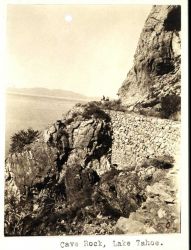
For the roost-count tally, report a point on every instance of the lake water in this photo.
(23, 111)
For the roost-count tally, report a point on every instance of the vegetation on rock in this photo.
(65, 183)
(68, 185)
(22, 138)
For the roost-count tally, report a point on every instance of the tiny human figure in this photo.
(103, 99)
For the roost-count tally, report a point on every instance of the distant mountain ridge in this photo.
(47, 92)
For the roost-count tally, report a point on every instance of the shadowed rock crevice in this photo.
(173, 21)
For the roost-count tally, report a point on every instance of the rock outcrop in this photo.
(153, 83)
(72, 179)
(160, 211)
(59, 165)
(101, 169)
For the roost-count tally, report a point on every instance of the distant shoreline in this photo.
(48, 96)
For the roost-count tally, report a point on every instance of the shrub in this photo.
(22, 138)
(170, 104)
(113, 105)
(162, 162)
(93, 109)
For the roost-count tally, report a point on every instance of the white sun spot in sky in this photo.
(68, 18)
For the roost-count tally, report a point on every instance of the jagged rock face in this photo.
(58, 168)
(160, 212)
(65, 183)
(154, 80)
(119, 193)
(71, 144)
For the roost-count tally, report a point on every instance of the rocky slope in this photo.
(153, 83)
(139, 137)
(54, 173)
(97, 171)
(65, 182)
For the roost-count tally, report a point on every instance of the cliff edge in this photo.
(95, 172)
(153, 83)
(102, 169)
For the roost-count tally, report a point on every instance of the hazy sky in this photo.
(84, 48)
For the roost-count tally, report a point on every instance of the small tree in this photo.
(22, 138)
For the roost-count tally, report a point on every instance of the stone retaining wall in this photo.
(137, 138)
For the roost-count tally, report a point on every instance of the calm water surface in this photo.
(23, 111)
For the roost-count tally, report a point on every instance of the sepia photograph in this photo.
(93, 117)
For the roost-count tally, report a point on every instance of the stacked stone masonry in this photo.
(137, 138)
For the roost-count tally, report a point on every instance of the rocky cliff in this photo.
(56, 173)
(84, 175)
(153, 83)
(101, 169)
